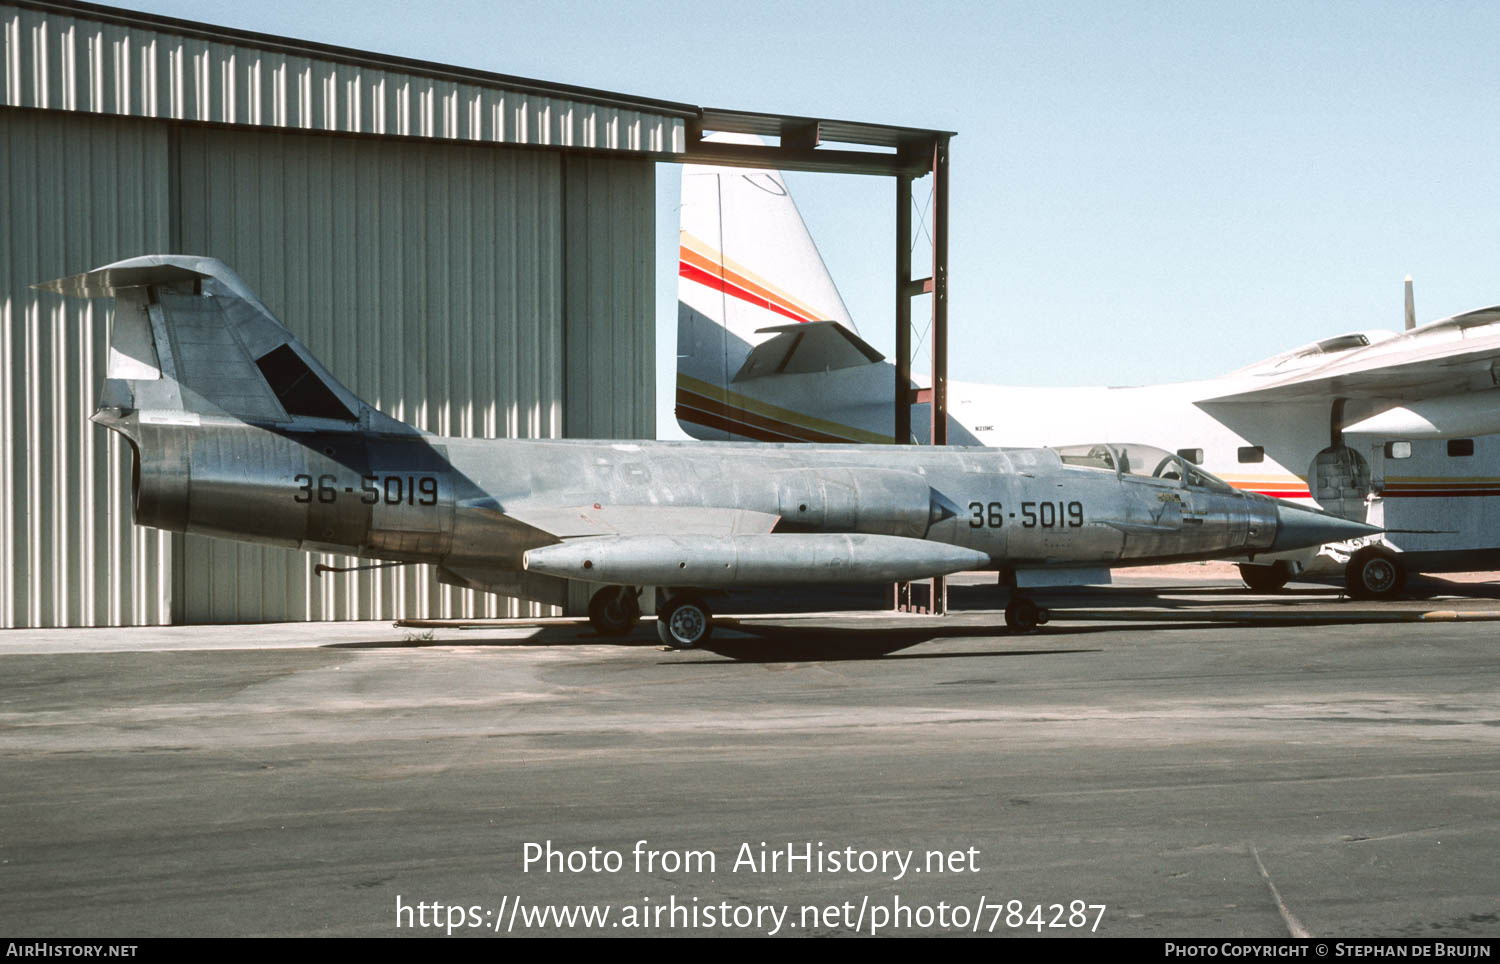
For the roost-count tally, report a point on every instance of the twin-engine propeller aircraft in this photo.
(1395, 429)
(238, 432)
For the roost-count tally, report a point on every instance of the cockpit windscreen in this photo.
(1141, 461)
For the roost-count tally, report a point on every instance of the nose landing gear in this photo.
(1266, 578)
(1022, 615)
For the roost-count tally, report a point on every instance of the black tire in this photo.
(1374, 573)
(614, 611)
(1266, 578)
(1022, 616)
(685, 622)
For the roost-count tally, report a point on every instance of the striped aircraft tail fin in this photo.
(749, 276)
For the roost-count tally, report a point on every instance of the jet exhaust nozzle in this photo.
(1302, 528)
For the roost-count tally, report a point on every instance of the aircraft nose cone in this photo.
(1299, 528)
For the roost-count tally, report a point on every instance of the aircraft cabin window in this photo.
(1252, 453)
(1194, 456)
(1460, 447)
(1343, 343)
(1398, 450)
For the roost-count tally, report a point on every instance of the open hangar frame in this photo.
(469, 251)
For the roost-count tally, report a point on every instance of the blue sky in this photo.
(1142, 191)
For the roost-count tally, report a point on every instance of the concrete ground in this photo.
(1196, 778)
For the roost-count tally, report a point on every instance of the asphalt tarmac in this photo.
(1195, 778)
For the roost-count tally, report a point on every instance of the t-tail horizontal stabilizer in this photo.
(812, 346)
(190, 339)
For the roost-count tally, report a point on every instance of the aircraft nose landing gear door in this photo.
(1340, 482)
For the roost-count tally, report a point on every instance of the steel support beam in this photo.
(940, 292)
(800, 159)
(908, 288)
(903, 311)
(899, 598)
(940, 324)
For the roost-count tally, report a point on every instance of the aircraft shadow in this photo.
(1296, 594)
(550, 636)
(786, 644)
(805, 652)
(759, 643)
(1425, 587)
(780, 642)
(776, 643)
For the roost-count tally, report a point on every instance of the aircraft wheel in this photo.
(614, 610)
(684, 622)
(1374, 574)
(1266, 578)
(1023, 616)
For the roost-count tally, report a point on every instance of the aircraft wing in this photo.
(576, 522)
(1449, 357)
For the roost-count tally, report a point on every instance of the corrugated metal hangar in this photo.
(473, 253)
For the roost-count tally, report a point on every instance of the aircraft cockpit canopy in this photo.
(1141, 461)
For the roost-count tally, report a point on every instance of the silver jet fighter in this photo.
(238, 432)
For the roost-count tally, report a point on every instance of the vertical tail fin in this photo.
(191, 338)
(746, 263)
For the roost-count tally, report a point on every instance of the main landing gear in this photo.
(1374, 573)
(615, 610)
(684, 621)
